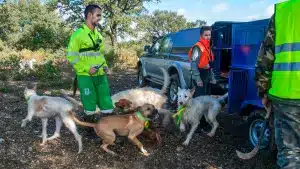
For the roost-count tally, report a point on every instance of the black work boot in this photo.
(90, 119)
(90, 132)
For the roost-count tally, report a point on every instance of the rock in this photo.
(1, 140)
(180, 148)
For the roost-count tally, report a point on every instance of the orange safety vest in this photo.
(206, 54)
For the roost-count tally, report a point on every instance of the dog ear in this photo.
(178, 88)
(117, 104)
(193, 90)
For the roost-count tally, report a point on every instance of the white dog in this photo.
(24, 64)
(195, 108)
(141, 96)
(46, 107)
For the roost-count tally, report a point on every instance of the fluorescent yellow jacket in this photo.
(286, 69)
(85, 50)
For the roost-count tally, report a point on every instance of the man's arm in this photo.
(265, 61)
(196, 53)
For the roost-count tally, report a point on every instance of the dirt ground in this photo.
(20, 147)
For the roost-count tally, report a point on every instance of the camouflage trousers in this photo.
(287, 135)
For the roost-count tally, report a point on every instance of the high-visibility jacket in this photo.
(85, 50)
(206, 53)
(286, 69)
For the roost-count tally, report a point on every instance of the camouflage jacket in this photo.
(265, 61)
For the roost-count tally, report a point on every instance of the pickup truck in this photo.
(171, 53)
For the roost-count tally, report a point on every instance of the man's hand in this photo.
(264, 101)
(105, 69)
(200, 83)
(92, 70)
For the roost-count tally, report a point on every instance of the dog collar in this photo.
(141, 117)
(179, 114)
(28, 98)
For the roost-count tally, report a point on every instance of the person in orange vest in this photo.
(202, 58)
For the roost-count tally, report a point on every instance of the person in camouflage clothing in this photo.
(277, 75)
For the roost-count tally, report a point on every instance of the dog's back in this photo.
(141, 96)
(47, 106)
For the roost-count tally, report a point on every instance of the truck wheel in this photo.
(173, 89)
(255, 123)
(142, 81)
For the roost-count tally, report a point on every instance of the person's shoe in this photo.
(106, 111)
(90, 119)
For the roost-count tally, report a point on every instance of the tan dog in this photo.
(130, 125)
(124, 106)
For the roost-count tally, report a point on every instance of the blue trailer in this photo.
(242, 42)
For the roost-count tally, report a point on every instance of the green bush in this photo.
(47, 72)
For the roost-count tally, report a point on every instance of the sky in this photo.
(218, 10)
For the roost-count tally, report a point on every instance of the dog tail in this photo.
(72, 114)
(247, 156)
(223, 99)
(166, 80)
(72, 100)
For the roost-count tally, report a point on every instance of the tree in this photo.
(30, 24)
(118, 16)
(162, 22)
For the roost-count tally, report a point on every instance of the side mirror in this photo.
(146, 48)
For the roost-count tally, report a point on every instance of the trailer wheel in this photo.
(255, 123)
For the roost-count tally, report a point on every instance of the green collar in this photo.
(88, 30)
(141, 117)
(28, 98)
(146, 120)
(179, 115)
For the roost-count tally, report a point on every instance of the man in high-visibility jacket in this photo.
(278, 77)
(86, 53)
(201, 58)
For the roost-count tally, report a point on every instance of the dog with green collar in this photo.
(130, 125)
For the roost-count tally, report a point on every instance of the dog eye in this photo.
(185, 96)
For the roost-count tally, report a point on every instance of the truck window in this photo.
(166, 45)
(156, 46)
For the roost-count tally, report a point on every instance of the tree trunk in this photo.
(113, 39)
(113, 36)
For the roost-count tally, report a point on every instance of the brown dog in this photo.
(130, 125)
(123, 106)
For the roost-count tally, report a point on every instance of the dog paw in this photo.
(112, 153)
(185, 143)
(210, 134)
(23, 123)
(144, 152)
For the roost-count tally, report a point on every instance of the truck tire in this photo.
(173, 88)
(142, 81)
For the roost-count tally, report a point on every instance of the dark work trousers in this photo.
(205, 89)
